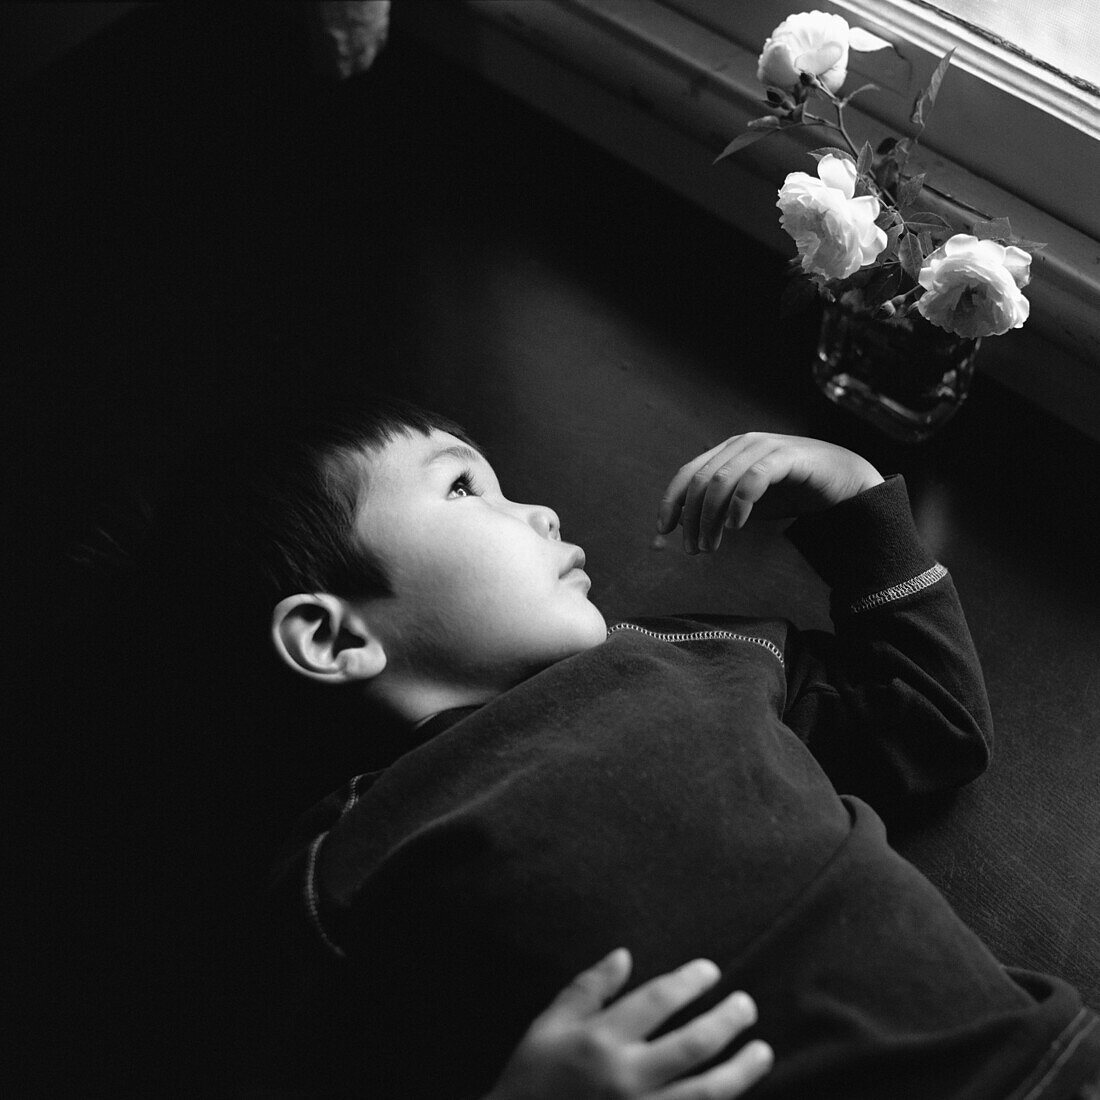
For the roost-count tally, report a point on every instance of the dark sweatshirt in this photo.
(675, 791)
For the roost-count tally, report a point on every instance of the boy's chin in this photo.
(585, 632)
(593, 629)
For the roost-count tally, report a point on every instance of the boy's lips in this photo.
(575, 562)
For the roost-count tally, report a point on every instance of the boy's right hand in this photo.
(777, 476)
(580, 1050)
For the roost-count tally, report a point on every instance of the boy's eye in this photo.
(463, 486)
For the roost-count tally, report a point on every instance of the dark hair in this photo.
(209, 743)
(298, 509)
(274, 512)
(181, 589)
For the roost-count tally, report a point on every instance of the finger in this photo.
(695, 493)
(712, 487)
(641, 1011)
(728, 1080)
(768, 470)
(685, 1048)
(715, 504)
(723, 485)
(668, 512)
(590, 990)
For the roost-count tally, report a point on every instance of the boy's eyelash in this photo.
(465, 481)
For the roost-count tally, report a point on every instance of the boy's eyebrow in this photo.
(455, 450)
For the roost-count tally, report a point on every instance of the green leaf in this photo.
(926, 99)
(916, 116)
(862, 88)
(830, 151)
(937, 77)
(886, 174)
(995, 229)
(885, 285)
(999, 229)
(893, 236)
(900, 153)
(889, 162)
(768, 122)
(926, 219)
(936, 233)
(910, 189)
(741, 141)
(866, 155)
(910, 255)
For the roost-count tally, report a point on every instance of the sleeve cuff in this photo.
(867, 548)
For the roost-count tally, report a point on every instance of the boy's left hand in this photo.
(771, 476)
(582, 1048)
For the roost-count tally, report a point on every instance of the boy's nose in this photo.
(545, 521)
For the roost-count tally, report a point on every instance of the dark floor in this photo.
(197, 227)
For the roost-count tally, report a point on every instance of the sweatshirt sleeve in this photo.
(894, 704)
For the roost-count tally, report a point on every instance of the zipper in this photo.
(702, 636)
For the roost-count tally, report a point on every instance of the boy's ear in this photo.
(326, 639)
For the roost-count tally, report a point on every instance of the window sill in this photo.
(667, 94)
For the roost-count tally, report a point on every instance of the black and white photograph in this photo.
(552, 549)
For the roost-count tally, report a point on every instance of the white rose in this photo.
(972, 287)
(835, 233)
(811, 42)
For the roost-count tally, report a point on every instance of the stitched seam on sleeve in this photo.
(310, 894)
(353, 795)
(1078, 1028)
(899, 591)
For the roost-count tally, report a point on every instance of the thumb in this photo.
(590, 990)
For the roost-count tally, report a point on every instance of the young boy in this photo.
(668, 785)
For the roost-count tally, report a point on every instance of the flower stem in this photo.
(881, 193)
(843, 131)
(815, 120)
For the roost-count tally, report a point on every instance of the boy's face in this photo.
(485, 593)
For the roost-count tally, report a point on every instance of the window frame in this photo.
(997, 109)
(666, 93)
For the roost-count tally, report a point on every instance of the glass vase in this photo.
(904, 375)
